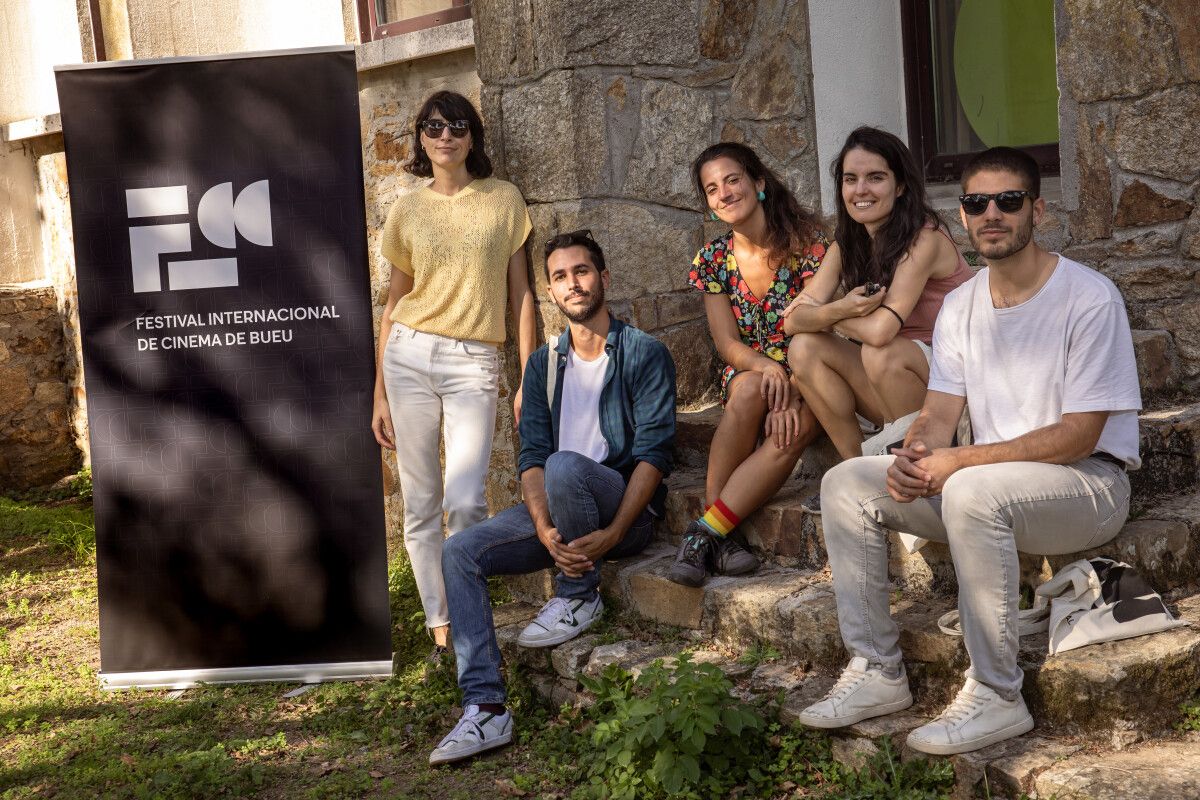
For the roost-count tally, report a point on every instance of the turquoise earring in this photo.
(762, 196)
(712, 215)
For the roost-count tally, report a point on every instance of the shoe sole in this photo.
(936, 749)
(482, 747)
(557, 640)
(740, 571)
(686, 579)
(828, 723)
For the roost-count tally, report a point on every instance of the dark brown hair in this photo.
(452, 106)
(863, 259)
(1007, 159)
(791, 227)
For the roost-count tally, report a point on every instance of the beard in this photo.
(1022, 232)
(588, 310)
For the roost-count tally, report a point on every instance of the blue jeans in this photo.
(583, 497)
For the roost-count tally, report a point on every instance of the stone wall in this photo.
(34, 411)
(603, 106)
(1129, 75)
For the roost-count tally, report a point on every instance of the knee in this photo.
(854, 479)
(966, 496)
(745, 396)
(804, 354)
(458, 553)
(563, 469)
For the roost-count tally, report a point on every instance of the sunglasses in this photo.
(1009, 202)
(433, 128)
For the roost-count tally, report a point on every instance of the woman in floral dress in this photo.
(749, 276)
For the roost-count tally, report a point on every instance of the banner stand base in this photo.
(302, 673)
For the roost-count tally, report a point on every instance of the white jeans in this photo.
(426, 374)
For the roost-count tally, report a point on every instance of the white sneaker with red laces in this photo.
(978, 717)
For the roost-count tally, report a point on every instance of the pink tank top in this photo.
(919, 324)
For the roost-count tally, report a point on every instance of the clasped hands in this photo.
(918, 472)
(577, 557)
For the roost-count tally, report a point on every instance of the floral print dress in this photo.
(759, 320)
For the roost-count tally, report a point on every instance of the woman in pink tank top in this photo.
(864, 323)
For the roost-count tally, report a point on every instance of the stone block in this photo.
(777, 676)
(1149, 280)
(1131, 243)
(1170, 449)
(1103, 56)
(676, 307)
(533, 587)
(1167, 771)
(1182, 319)
(624, 654)
(854, 753)
(1093, 218)
(1158, 368)
(571, 657)
(1142, 680)
(1015, 770)
(617, 32)
(504, 47)
(675, 123)
(1155, 135)
(1161, 550)
(1142, 205)
(746, 610)
(809, 622)
(696, 363)
(1186, 23)
(654, 597)
(725, 26)
(775, 83)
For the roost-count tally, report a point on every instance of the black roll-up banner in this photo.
(225, 313)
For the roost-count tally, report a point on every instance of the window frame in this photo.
(917, 53)
(369, 29)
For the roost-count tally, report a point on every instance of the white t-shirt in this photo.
(1067, 349)
(579, 416)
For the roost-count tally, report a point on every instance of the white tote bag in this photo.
(1086, 602)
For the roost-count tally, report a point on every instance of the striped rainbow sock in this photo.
(719, 519)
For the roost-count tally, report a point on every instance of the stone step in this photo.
(1158, 771)
(1162, 539)
(1140, 681)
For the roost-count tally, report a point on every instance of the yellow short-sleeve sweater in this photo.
(456, 249)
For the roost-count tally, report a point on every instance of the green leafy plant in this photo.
(886, 777)
(759, 653)
(678, 732)
(1191, 716)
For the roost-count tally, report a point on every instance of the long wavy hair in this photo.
(452, 106)
(791, 227)
(866, 260)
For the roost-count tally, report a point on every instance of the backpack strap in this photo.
(551, 371)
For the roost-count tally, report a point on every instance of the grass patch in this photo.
(61, 737)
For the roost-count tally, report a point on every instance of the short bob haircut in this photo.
(1007, 159)
(581, 238)
(452, 106)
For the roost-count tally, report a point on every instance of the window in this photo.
(978, 74)
(378, 19)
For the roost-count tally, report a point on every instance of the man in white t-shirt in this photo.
(597, 434)
(1040, 348)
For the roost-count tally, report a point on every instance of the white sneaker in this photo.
(475, 732)
(859, 694)
(978, 717)
(560, 620)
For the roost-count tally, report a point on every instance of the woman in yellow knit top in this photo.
(457, 252)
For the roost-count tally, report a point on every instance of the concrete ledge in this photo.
(418, 44)
(23, 129)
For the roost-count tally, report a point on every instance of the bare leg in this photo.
(759, 477)
(736, 436)
(829, 371)
(899, 374)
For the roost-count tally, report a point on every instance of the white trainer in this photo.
(476, 732)
(560, 620)
(978, 717)
(862, 692)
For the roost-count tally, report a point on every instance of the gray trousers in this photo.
(986, 514)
